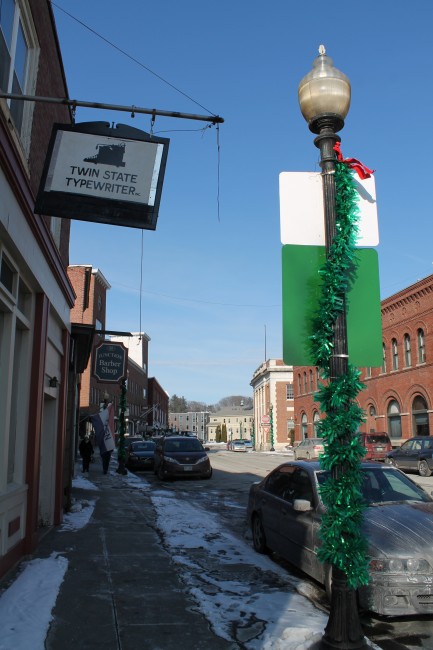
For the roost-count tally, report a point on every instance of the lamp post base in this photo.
(343, 630)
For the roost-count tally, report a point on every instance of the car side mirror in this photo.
(301, 505)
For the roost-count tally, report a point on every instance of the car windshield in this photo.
(374, 438)
(382, 485)
(189, 444)
(143, 446)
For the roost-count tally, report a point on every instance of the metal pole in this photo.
(121, 452)
(214, 119)
(343, 629)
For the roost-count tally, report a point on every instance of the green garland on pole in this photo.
(343, 544)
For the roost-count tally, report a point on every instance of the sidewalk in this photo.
(121, 590)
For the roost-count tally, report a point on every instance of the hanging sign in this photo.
(110, 361)
(94, 172)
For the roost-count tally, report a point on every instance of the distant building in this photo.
(232, 423)
(398, 395)
(193, 422)
(273, 397)
(158, 419)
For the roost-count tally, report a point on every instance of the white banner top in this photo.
(302, 211)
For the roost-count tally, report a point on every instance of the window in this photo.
(16, 309)
(289, 391)
(368, 371)
(304, 426)
(299, 384)
(420, 417)
(394, 419)
(305, 382)
(7, 275)
(18, 48)
(311, 381)
(407, 351)
(316, 420)
(421, 346)
(383, 358)
(394, 349)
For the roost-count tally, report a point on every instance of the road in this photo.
(227, 495)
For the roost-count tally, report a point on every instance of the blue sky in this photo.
(211, 280)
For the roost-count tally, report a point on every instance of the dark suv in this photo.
(177, 456)
(415, 454)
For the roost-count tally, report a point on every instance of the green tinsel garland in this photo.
(343, 544)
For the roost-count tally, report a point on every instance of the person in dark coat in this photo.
(86, 451)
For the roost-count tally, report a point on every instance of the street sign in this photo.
(301, 295)
(301, 210)
(265, 419)
(110, 362)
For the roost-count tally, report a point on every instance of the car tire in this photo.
(259, 538)
(423, 468)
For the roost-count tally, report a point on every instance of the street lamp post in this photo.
(271, 427)
(324, 99)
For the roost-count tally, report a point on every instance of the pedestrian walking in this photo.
(86, 451)
(103, 424)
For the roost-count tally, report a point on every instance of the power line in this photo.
(129, 56)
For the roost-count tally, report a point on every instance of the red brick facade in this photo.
(398, 396)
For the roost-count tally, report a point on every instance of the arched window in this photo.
(304, 426)
(394, 419)
(305, 383)
(421, 346)
(299, 384)
(316, 420)
(420, 417)
(407, 351)
(383, 358)
(394, 350)
(311, 381)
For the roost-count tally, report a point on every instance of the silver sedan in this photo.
(284, 511)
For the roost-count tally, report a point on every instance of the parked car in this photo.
(309, 448)
(237, 445)
(377, 445)
(140, 455)
(248, 444)
(177, 456)
(284, 511)
(416, 454)
(130, 439)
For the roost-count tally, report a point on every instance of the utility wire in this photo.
(129, 56)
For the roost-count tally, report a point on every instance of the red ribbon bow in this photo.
(362, 171)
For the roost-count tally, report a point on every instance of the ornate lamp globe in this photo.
(324, 95)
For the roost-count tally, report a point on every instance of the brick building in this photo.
(157, 419)
(91, 288)
(398, 395)
(272, 385)
(35, 293)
